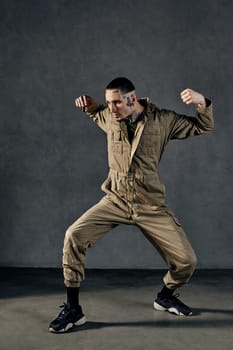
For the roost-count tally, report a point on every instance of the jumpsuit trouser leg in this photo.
(163, 230)
(83, 234)
(158, 225)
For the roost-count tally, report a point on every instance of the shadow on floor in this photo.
(184, 323)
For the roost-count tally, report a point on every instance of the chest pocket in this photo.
(116, 141)
(149, 142)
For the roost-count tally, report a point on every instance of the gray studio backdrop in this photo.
(53, 158)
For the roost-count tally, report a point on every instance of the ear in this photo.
(133, 97)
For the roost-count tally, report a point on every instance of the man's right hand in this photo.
(86, 103)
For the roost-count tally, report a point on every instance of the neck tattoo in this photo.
(134, 117)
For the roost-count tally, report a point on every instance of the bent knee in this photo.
(189, 263)
(72, 235)
(69, 233)
(77, 237)
(194, 261)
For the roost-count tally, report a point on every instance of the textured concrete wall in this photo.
(53, 158)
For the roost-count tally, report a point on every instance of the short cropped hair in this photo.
(121, 83)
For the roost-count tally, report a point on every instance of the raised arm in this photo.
(181, 126)
(92, 108)
(86, 103)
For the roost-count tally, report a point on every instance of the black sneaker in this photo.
(173, 305)
(66, 319)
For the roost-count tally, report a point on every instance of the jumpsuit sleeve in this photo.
(100, 117)
(181, 126)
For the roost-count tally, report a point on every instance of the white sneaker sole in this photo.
(70, 325)
(172, 310)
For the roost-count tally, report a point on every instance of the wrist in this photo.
(92, 108)
(202, 103)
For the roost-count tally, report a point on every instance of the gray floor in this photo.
(118, 306)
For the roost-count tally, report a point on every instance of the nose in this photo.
(112, 108)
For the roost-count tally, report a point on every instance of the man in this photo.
(137, 133)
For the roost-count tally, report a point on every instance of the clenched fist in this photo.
(86, 103)
(190, 96)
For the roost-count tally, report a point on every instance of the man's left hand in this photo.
(190, 96)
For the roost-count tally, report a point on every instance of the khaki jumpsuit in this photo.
(134, 193)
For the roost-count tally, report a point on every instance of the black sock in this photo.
(72, 296)
(166, 292)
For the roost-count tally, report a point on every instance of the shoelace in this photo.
(174, 297)
(64, 305)
(65, 308)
